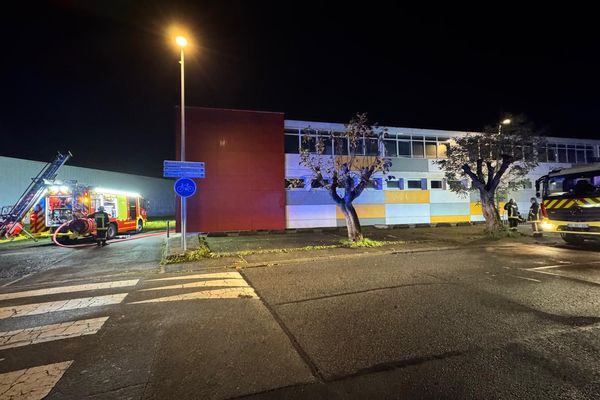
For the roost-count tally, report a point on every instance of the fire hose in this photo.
(93, 244)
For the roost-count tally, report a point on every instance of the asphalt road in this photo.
(500, 321)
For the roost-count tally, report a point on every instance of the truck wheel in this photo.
(571, 238)
(140, 226)
(112, 231)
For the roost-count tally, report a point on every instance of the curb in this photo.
(263, 232)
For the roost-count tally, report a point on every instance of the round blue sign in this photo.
(185, 187)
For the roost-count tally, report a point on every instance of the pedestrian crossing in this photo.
(20, 313)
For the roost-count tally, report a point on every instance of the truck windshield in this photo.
(574, 185)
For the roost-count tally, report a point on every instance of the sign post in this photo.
(184, 186)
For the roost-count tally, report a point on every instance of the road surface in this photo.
(504, 320)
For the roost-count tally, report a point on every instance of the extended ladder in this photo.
(31, 196)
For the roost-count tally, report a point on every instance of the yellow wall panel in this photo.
(406, 196)
(450, 218)
(476, 208)
(365, 211)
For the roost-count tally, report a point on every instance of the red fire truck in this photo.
(65, 202)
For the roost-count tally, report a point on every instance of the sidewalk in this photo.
(265, 247)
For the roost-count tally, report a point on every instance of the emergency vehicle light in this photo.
(115, 191)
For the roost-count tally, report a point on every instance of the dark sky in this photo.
(98, 77)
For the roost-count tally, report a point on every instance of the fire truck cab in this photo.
(571, 202)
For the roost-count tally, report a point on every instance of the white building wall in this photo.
(16, 175)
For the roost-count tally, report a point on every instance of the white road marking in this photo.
(527, 279)
(17, 280)
(211, 283)
(62, 305)
(217, 294)
(564, 265)
(31, 383)
(48, 333)
(69, 289)
(222, 275)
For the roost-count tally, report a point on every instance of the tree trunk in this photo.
(490, 212)
(352, 221)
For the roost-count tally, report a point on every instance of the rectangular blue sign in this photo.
(183, 169)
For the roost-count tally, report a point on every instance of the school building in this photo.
(254, 180)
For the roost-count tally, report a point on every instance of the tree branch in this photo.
(333, 189)
(478, 184)
(365, 175)
(490, 171)
(480, 171)
(506, 161)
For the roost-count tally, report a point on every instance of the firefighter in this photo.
(102, 220)
(513, 214)
(534, 214)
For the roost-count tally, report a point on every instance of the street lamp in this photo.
(504, 122)
(182, 42)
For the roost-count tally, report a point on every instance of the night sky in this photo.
(100, 79)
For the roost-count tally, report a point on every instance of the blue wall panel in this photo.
(450, 209)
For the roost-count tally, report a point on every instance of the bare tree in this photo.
(359, 153)
(497, 159)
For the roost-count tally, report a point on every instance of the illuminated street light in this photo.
(504, 122)
(181, 41)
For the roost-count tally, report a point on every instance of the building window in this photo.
(571, 154)
(437, 184)
(403, 148)
(316, 183)
(430, 150)
(292, 144)
(542, 154)
(589, 153)
(393, 184)
(340, 144)
(414, 184)
(442, 147)
(390, 148)
(371, 146)
(552, 157)
(294, 183)
(580, 153)
(562, 153)
(417, 150)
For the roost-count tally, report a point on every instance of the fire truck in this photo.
(571, 202)
(53, 204)
(69, 203)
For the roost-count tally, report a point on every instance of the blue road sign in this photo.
(185, 187)
(183, 169)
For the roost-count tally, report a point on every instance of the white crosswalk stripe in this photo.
(31, 383)
(62, 305)
(210, 275)
(210, 283)
(68, 289)
(228, 285)
(48, 333)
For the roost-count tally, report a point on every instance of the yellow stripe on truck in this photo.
(561, 203)
(551, 203)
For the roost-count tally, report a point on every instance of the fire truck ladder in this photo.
(31, 196)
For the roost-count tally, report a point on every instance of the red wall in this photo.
(245, 170)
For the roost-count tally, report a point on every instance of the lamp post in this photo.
(182, 42)
(504, 122)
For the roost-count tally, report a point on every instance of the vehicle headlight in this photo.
(547, 226)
